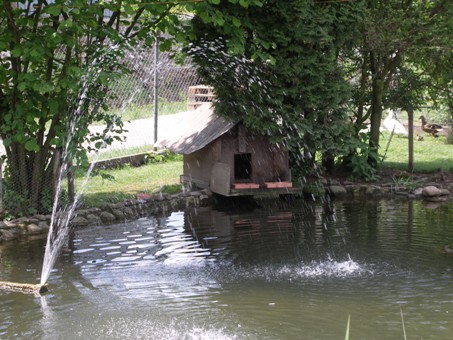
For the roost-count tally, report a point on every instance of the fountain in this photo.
(61, 218)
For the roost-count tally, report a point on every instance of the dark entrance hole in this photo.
(243, 166)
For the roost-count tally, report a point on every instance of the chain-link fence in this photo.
(146, 98)
(149, 100)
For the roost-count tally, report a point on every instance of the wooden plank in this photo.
(241, 186)
(242, 144)
(272, 185)
(220, 179)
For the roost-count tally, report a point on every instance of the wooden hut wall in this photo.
(268, 162)
(197, 165)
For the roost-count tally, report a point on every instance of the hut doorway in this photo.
(243, 166)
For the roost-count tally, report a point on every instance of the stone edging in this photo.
(163, 203)
(432, 192)
(108, 214)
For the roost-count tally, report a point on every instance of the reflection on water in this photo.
(278, 271)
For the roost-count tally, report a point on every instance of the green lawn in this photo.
(133, 112)
(121, 152)
(128, 181)
(430, 154)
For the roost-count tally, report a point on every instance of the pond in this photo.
(278, 270)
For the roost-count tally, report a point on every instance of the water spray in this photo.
(60, 220)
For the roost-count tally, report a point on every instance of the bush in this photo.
(162, 157)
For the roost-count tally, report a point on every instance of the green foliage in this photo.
(57, 62)
(360, 166)
(408, 182)
(47, 199)
(283, 78)
(16, 204)
(313, 190)
(162, 157)
(171, 189)
(401, 59)
(103, 175)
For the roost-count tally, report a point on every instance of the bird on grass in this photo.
(393, 125)
(431, 128)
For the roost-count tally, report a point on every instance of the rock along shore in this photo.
(129, 210)
(158, 204)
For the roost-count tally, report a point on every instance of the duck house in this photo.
(225, 157)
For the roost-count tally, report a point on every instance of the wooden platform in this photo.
(199, 95)
(265, 191)
(274, 185)
(242, 186)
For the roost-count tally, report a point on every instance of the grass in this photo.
(133, 112)
(129, 181)
(430, 154)
(121, 152)
(147, 111)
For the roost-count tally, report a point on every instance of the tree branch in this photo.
(37, 16)
(134, 21)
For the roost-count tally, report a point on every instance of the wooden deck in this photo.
(245, 189)
(265, 192)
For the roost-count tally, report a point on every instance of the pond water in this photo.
(275, 271)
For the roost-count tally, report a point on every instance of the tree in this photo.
(57, 60)
(402, 55)
(285, 79)
(433, 53)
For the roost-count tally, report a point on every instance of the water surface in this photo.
(275, 271)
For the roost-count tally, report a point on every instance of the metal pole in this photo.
(156, 88)
(1, 189)
(410, 115)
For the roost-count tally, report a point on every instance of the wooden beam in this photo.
(23, 287)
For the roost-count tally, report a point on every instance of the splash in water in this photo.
(326, 269)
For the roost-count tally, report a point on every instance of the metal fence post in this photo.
(1, 190)
(156, 88)
(410, 115)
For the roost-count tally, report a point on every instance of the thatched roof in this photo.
(195, 130)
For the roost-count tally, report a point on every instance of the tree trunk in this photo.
(71, 188)
(377, 96)
(36, 185)
(28, 178)
(328, 162)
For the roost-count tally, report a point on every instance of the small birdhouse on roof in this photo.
(224, 156)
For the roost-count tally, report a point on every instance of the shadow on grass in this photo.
(435, 165)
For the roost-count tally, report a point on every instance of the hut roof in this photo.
(195, 130)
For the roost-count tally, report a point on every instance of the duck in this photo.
(419, 138)
(431, 128)
(393, 125)
(448, 249)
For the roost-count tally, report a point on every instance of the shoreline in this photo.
(435, 189)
